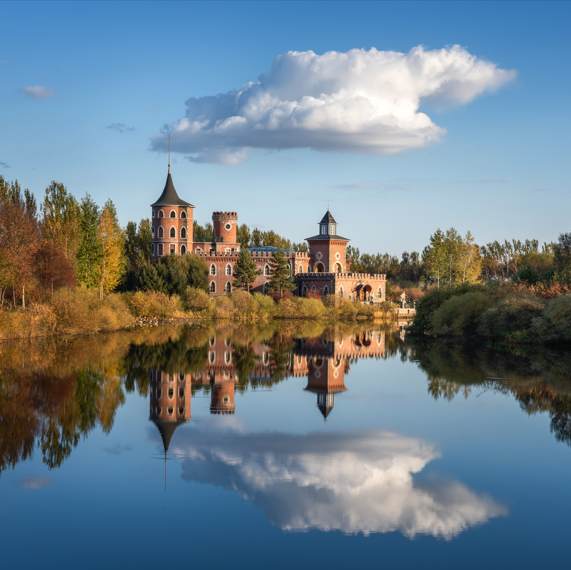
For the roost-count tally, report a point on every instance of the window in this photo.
(153, 213)
(153, 232)
(181, 393)
(332, 229)
(170, 411)
(183, 215)
(323, 230)
(211, 357)
(213, 269)
(183, 233)
(181, 376)
(173, 214)
(380, 292)
(172, 248)
(266, 358)
(227, 227)
(153, 248)
(171, 392)
(212, 287)
(267, 270)
(182, 249)
(173, 233)
(341, 291)
(181, 411)
(161, 232)
(325, 291)
(300, 269)
(228, 269)
(161, 249)
(228, 287)
(161, 215)
(313, 288)
(304, 291)
(227, 357)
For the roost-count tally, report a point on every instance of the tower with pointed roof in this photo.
(326, 378)
(327, 249)
(172, 223)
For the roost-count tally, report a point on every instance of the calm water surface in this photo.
(282, 448)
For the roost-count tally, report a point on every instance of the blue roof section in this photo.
(268, 249)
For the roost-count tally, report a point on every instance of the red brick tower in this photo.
(169, 402)
(222, 396)
(172, 223)
(326, 378)
(327, 249)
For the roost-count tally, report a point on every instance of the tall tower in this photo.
(172, 223)
(328, 250)
(326, 378)
(222, 395)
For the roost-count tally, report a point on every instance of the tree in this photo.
(562, 258)
(60, 221)
(90, 252)
(52, 269)
(280, 273)
(149, 279)
(111, 237)
(470, 262)
(245, 270)
(434, 257)
(452, 249)
(243, 236)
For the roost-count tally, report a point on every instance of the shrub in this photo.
(37, 320)
(339, 307)
(513, 314)
(196, 300)
(555, 324)
(460, 315)
(153, 304)
(302, 308)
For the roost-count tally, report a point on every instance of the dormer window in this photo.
(323, 230)
(332, 229)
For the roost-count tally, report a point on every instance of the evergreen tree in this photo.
(149, 279)
(197, 273)
(90, 252)
(280, 273)
(173, 277)
(245, 271)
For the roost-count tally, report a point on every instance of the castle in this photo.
(325, 270)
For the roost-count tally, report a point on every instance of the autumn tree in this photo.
(60, 221)
(245, 271)
(469, 261)
(434, 257)
(111, 237)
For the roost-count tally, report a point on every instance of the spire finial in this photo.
(169, 153)
(165, 469)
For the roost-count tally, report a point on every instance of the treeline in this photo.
(250, 238)
(450, 259)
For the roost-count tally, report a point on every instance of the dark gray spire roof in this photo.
(328, 219)
(166, 429)
(169, 197)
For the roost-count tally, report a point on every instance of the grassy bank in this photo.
(80, 311)
(507, 313)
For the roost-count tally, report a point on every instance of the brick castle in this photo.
(325, 270)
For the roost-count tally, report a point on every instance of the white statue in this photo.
(403, 299)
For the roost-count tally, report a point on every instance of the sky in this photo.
(400, 117)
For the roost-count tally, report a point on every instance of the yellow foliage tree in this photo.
(470, 261)
(111, 237)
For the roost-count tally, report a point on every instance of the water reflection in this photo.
(355, 482)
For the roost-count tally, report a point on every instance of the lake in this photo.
(281, 446)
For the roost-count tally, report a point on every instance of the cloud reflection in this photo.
(353, 482)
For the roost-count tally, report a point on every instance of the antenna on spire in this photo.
(169, 153)
(166, 466)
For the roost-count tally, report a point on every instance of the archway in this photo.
(319, 268)
(337, 268)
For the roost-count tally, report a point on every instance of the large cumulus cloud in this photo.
(359, 102)
(355, 482)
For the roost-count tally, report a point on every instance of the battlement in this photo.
(289, 255)
(323, 275)
(224, 215)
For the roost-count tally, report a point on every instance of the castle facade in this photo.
(325, 270)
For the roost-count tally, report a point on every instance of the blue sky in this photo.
(499, 170)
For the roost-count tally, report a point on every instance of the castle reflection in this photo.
(324, 362)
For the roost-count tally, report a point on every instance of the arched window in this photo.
(213, 269)
(173, 233)
(319, 268)
(325, 291)
(228, 287)
(183, 233)
(183, 215)
(173, 214)
(304, 291)
(228, 269)
(161, 215)
(153, 249)
(154, 214)
(313, 288)
(380, 292)
(212, 287)
(182, 249)
(172, 248)
(341, 291)
(161, 251)
(337, 268)
(300, 269)
(267, 270)
(153, 231)
(227, 357)
(212, 356)
(170, 411)
(161, 232)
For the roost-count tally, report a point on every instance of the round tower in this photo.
(222, 397)
(225, 224)
(172, 223)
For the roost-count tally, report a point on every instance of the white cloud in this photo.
(37, 92)
(34, 482)
(359, 482)
(359, 102)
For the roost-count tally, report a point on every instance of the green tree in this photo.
(90, 252)
(280, 273)
(435, 258)
(562, 258)
(245, 270)
(148, 279)
(243, 236)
